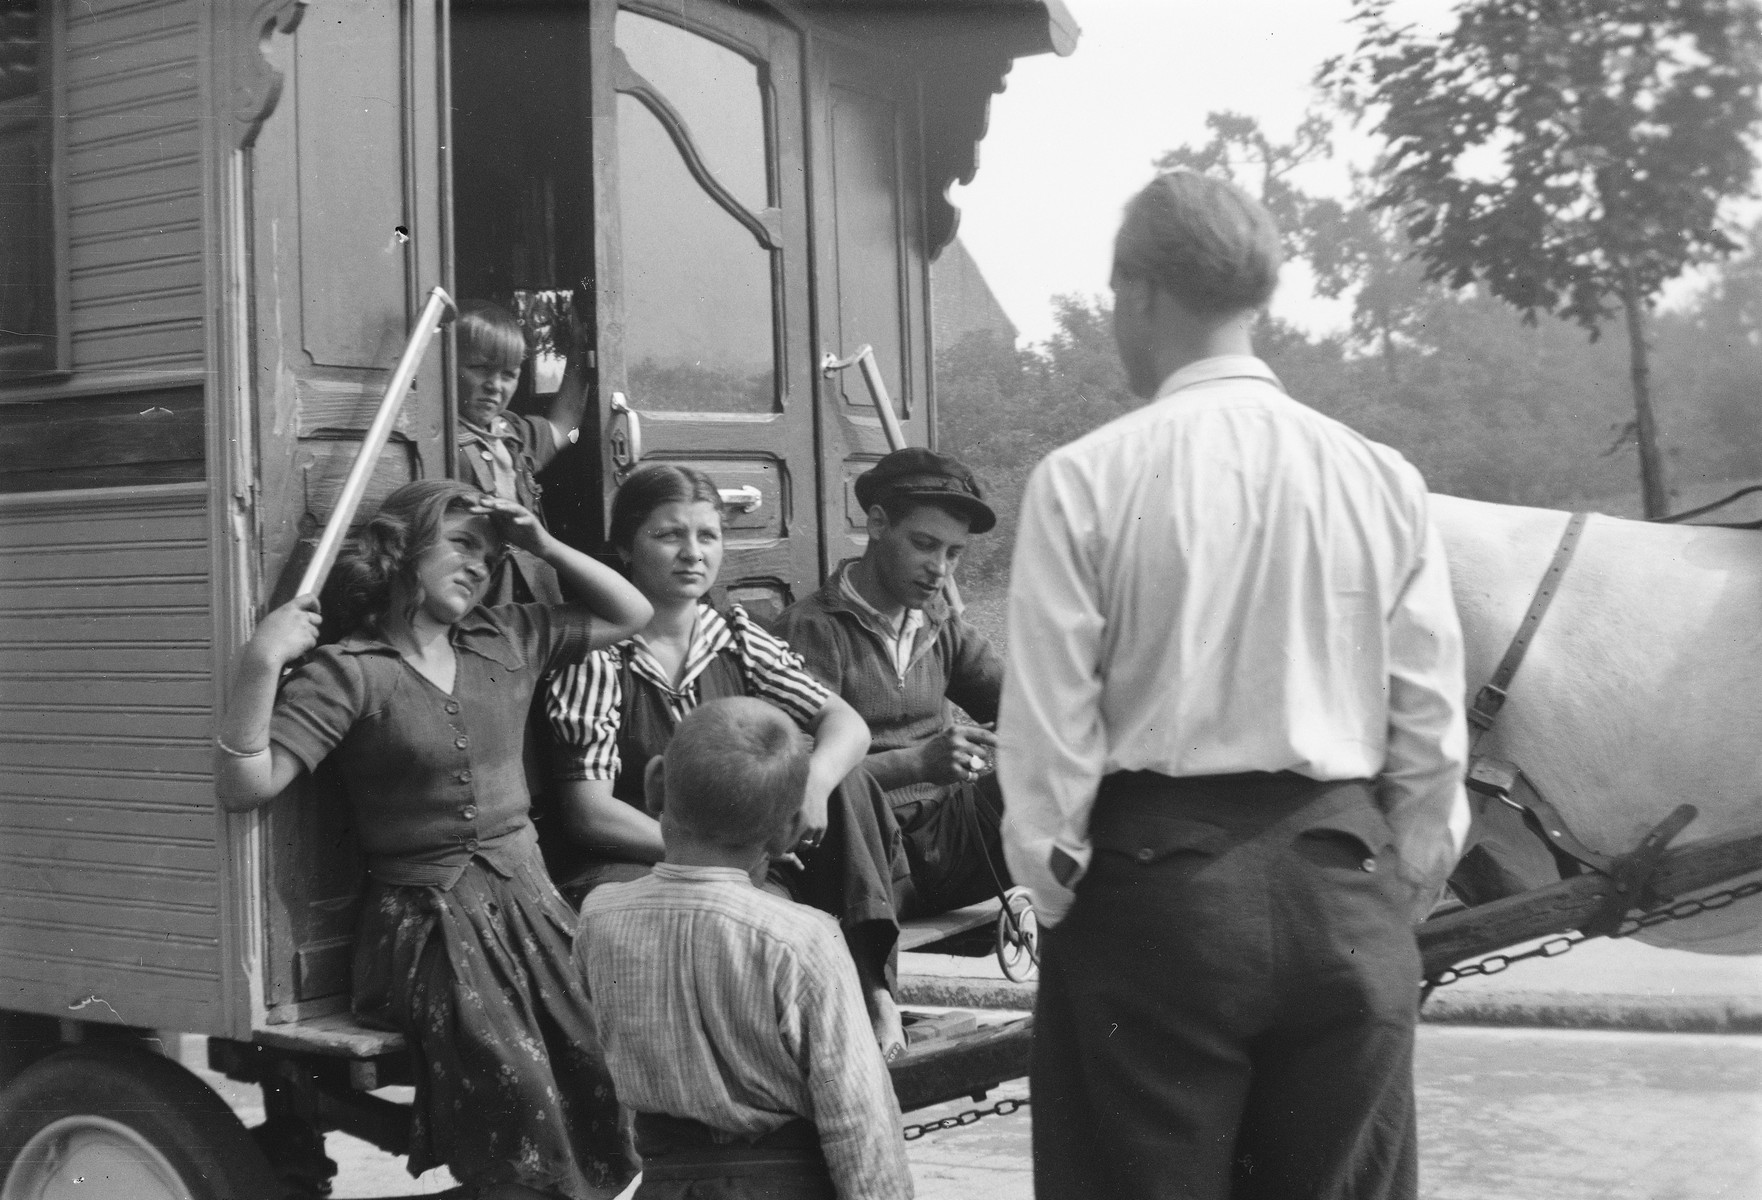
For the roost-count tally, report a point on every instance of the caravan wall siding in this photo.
(109, 900)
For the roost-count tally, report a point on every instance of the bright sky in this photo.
(1072, 138)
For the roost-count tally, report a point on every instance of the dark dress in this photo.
(464, 944)
(851, 874)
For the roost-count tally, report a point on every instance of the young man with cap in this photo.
(882, 634)
(1233, 744)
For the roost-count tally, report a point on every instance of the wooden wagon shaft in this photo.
(1445, 941)
(933, 1072)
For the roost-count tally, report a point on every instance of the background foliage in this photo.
(1483, 404)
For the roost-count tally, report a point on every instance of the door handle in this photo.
(746, 498)
(864, 360)
(623, 436)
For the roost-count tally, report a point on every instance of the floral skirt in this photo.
(511, 1086)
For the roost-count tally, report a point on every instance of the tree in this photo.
(1572, 155)
(1353, 245)
(1350, 246)
(1241, 152)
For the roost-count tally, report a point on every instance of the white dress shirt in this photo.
(1225, 581)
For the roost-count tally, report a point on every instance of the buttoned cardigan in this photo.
(433, 778)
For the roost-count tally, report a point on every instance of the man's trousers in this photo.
(954, 844)
(1228, 1008)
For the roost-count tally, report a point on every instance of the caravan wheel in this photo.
(117, 1122)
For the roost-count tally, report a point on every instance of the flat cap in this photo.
(917, 472)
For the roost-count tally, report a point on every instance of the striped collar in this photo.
(710, 635)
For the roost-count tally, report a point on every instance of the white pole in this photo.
(883, 402)
(355, 487)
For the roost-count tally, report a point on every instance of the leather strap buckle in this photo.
(1485, 710)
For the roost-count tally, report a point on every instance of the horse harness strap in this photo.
(1490, 699)
(1505, 782)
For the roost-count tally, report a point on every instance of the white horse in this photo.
(1642, 689)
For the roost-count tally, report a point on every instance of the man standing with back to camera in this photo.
(1232, 744)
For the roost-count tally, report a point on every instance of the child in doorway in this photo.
(732, 1019)
(463, 943)
(503, 452)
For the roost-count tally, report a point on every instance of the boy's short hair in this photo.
(1204, 241)
(736, 769)
(488, 333)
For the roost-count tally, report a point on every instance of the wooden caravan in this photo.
(219, 222)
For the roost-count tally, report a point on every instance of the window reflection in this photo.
(698, 326)
(716, 91)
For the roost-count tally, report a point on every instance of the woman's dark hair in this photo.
(358, 595)
(486, 332)
(1201, 239)
(650, 487)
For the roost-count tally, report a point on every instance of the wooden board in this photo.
(913, 934)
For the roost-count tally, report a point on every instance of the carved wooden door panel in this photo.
(873, 282)
(345, 222)
(702, 273)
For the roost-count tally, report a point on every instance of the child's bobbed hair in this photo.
(650, 487)
(488, 333)
(384, 552)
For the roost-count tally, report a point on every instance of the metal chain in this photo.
(1556, 946)
(1002, 1108)
(1683, 909)
(1495, 963)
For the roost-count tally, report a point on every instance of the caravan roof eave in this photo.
(963, 50)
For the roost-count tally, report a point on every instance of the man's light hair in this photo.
(736, 769)
(1202, 240)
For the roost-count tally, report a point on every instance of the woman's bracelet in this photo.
(226, 749)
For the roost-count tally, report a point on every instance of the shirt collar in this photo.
(710, 635)
(499, 430)
(841, 592)
(477, 631)
(685, 874)
(911, 619)
(1221, 366)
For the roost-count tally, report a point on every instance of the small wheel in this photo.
(1018, 937)
(116, 1122)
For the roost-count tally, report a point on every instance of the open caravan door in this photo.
(341, 187)
(647, 163)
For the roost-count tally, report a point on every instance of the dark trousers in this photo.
(1228, 1008)
(954, 845)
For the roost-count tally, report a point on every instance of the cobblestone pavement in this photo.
(1505, 1114)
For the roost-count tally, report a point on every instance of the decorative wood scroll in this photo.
(256, 85)
(766, 224)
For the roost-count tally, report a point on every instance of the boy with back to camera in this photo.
(732, 1019)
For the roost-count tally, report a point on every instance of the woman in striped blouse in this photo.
(613, 711)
